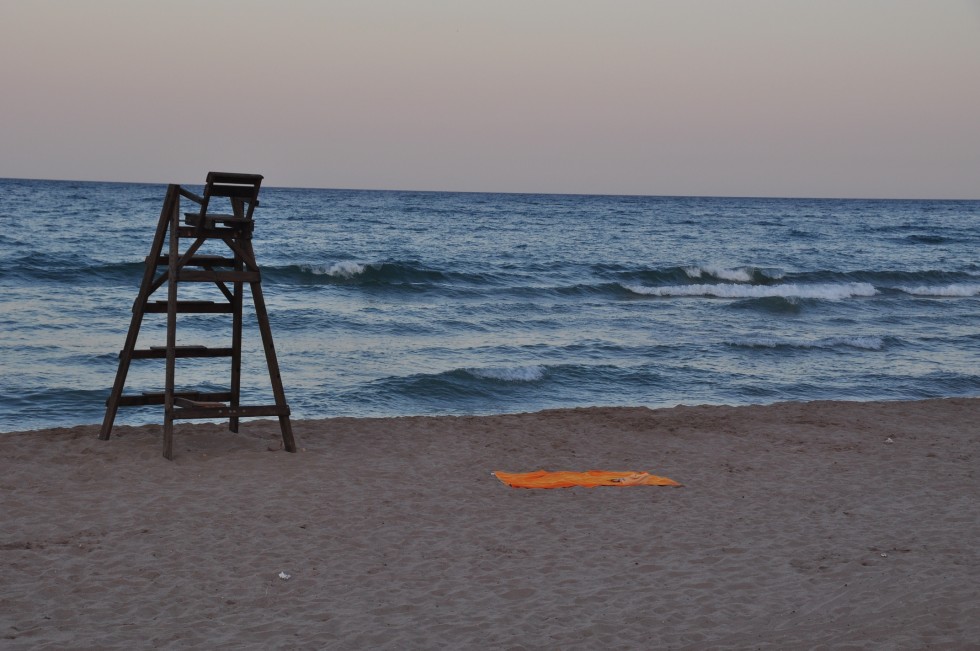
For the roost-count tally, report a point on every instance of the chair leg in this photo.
(168, 436)
(168, 396)
(270, 357)
(139, 309)
(236, 349)
(274, 375)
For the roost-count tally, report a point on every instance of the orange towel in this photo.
(590, 478)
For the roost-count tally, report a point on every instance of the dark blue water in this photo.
(395, 303)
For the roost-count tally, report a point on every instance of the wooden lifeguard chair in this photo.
(236, 269)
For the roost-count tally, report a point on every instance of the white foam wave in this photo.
(742, 275)
(531, 373)
(958, 289)
(342, 269)
(866, 343)
(792, 290)
(736, 275)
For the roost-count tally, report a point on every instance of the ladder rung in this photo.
(228, 412)
(187, 402)
(191, 307)
(204, 276)
(160, 352)
(198, 261)
(157, 397)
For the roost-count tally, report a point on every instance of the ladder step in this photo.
(190, 307)
(160, 352)
(205, 276)
(187, 402)
(157, 397)
(197, 261)
(223, 411)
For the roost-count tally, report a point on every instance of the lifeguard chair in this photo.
(229, 273)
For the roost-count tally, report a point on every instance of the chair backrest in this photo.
(241, 189)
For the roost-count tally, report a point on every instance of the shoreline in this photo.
(802, 523)
(546, 410)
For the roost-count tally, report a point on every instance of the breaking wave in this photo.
(532, 373)
(791, 290)
(737, 274)
(345, 269)
(348, 272)
(955, 290)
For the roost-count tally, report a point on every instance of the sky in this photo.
(797, 98)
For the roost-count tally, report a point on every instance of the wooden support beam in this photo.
(182, 352)
(158, 397)
(184, 192)
(211, 276)
(195, 261)
(190, 307)
(215, 233)
(227, 412)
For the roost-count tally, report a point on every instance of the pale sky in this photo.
(801, 98)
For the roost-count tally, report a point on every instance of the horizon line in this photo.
(527, 193)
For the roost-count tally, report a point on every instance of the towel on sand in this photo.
(589, 478)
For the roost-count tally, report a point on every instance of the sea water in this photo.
(402, 303)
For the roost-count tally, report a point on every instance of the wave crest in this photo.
(737, 274)
(531, 373)
(344, 269)
(954, 290)
(818, 291)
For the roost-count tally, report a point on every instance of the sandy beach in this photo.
(799, 525)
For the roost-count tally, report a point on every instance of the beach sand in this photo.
(799, 525)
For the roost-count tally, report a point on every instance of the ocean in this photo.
(389, 303)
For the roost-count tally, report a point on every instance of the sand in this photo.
(800, 525)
